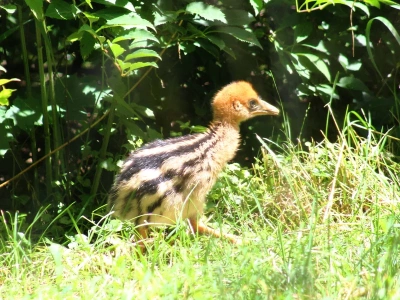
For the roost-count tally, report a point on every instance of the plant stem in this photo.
(58, 157)
(29, 96)
(104, 146)
(46, 129)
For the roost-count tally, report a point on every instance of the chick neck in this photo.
(228, 121)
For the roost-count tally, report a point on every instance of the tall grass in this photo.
(318, 220)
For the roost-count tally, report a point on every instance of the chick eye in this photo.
(253, 104)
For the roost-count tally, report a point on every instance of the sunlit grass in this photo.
(317, 220)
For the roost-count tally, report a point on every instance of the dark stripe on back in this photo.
(150, 187)
(155, 205)
(155, 161)
(176, 189)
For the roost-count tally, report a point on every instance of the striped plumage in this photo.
(167, 180)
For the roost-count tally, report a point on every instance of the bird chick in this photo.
(167, 180)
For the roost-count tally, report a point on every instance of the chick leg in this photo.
(199, 227)
(142, 233)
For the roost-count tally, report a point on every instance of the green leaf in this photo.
(9, 8)
(129, 20)
(127, 66)
(36, 7)
(116, 4)
(138, 65)
(368, 31)
(237, 17)
(373, 3)
(216, 40)
(302, 31)
(187, 47)
(109, 165)
(25, 113)
(144, 111)
(359, 5)
(86, 44)
(328, 90)
(320, 47)
(61, 10)
(318, 63)
(257, 5)
(208, 12)
(241, 35)
(79, 34)
(302, 70)
(4, 81)
(4, 101)
(142, 53)
(116, 49)
(206, 45)
(5, 134)
(355, 66)
(4, 95)
(353, 83)
(137, 35)
(110, 13)
(162, 16)
(92, 18)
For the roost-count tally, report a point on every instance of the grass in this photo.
(317, 223)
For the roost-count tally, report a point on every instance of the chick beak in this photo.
(266, 109)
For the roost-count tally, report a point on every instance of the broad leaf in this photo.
(92, 18)
(142, 53)
(4, 81)
(138, 65)
(128, 66)
(78, 34)
(162, 16)
(257, 5)
(318, 63)
(87, 44)
(236, 17)
(206, 45)
(355, 66)
(25, 113)
(9, 8)
(137, 35)
(115, 3)
(116, 49)
(4, 95)
(36, 7)
(373, 3)
(129, 20)
(62, 10)
(208, 12)
(241, 35)
(216, 40)
(302, 31)
(353, 83)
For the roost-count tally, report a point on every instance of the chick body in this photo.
(167, 180)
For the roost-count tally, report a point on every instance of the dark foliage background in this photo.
(75, 78)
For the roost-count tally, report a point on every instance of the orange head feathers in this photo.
(238, 102)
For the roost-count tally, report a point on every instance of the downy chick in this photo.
(167, 180)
